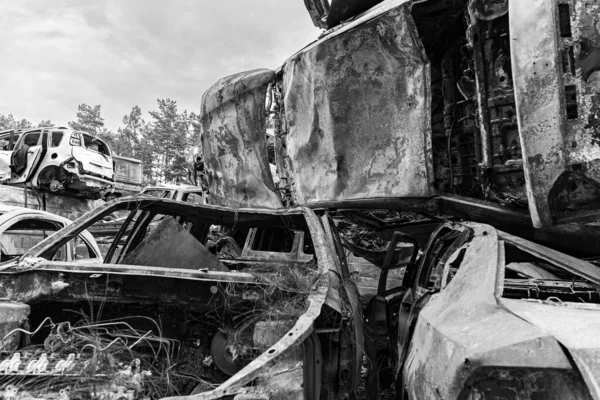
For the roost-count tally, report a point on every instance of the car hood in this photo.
(575, 326)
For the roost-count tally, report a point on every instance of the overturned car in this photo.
(190, 299)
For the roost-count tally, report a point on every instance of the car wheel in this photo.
(55, 186)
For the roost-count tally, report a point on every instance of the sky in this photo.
(55, 55)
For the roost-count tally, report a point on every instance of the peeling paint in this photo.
(234, 141)
(358, 127)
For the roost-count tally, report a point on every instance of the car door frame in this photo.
(417, 296)
(31, 169)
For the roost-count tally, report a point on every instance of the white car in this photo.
(187, 193)
(59, 160)
(22, 228)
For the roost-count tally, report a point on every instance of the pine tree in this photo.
(128, 137)
(9, 122)
(88, 119)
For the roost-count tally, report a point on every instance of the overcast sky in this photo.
(120, 53)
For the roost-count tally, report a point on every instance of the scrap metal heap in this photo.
(133, 332)
(512, 90)
(486, 110)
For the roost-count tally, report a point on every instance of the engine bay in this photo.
(103, 336)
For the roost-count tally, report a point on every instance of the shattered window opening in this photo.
(447, 242)
(95, 144)
(56, 138)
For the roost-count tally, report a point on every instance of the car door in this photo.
(28, 154)
(428, 280)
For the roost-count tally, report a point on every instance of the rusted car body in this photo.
(515, 96)
(456, 106)
(489, 315)
(234, 141)
(175, 309)
(486, 110)
(478, 313)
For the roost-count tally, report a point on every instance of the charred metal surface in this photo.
(357, 109)
(234, 141)
(447, 360)
(62, 284)
(163, 289)
(581, 94)
(536, 68)
(557, 100)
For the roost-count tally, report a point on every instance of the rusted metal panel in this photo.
(555, 48)
(357, 105)
(463, 330)
(234, 141)
(579, 45)
(540, 114)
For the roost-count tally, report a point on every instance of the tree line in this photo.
(160, 142)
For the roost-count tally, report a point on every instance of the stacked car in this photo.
(57, 160)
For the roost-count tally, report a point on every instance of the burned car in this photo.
(485, 110)
(190, 299)
(476, 314)
(489, 315)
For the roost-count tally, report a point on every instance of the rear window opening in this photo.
(95, 144)
(56, 138)
(529, 277)
(31, 139)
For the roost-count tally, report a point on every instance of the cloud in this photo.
(121, 53)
